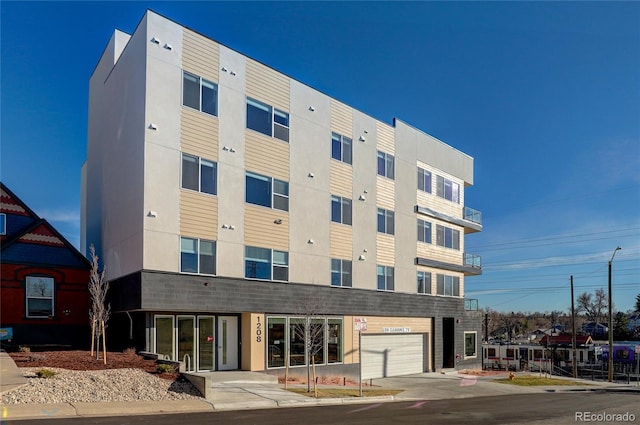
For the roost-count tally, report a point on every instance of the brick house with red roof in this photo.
(44, 298)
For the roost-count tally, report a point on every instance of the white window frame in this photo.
(201, 82)
(389, 221)
(200, 165)
(344, 142)
(198, 253)
(475, 345)
(386, 275)
(421, 181)
(441, 184)
(427, 284)
(32, 280)
(389, 165)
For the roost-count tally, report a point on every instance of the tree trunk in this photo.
(315, 384)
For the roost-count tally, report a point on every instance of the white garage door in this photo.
(386, 355)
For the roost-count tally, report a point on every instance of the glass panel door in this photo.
(186, 341)
(164, 337)
(205, 343)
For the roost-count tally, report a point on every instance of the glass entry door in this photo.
(186, 342)
(206, 343)
(164, 337)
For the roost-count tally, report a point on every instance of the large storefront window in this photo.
(317, 329)
(296, 342)
(334, 340)
(289, 335)
(277, 347)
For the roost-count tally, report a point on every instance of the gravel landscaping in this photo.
(126, 377)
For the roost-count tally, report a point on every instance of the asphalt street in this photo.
(537, 409)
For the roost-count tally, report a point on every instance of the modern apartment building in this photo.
(230, 201)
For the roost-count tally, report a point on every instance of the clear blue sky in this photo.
(545, 96)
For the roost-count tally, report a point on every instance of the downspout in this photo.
(130, 325)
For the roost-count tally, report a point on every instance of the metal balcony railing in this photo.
(471, 304)
(472, 260)
(472, 215)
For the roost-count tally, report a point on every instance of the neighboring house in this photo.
(44, 295)
(565, 340)
(225, 196)
(594, 329)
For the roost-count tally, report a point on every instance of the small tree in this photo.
(100, 311)
(311, 329)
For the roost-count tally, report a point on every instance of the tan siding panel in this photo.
(385, 249)
(268, 85)
(341, 118)
(200, 55)
(385, 189)
(265, 155)
(261, 231)
(199, 134)
(198, 215)
(341, 241)
(385, 141)
(341, 181)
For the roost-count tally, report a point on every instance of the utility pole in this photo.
(486, 327)
(611, 319)
(573, 333)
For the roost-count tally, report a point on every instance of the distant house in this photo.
(565, 340)
(43, 281)
(594, 329)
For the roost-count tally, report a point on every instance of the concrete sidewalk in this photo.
(251, 390)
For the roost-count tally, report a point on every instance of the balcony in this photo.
(470, 304)
(471, 219)
(472, 260)
(471, 264)
(472, 215)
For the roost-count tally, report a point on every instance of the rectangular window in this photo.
(199, 174)
(448, 285)
(424, 282)
(385, 221)
(340, 272)
(448, 238)
(277, 351)
(424, 231)
(386, 165)
(340, 210)
(267, 264)
(297, 342)
(200, 94)
(334, 340)
(448, 189)
(3, 224)
(385, 278)
(424, 180)
(267, 191)
(197, 256)
(267, 120)
(39, 296)
(341, 148)
(470, 344)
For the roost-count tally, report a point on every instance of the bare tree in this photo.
(310, 329)
(594, 307)
(100, 311)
